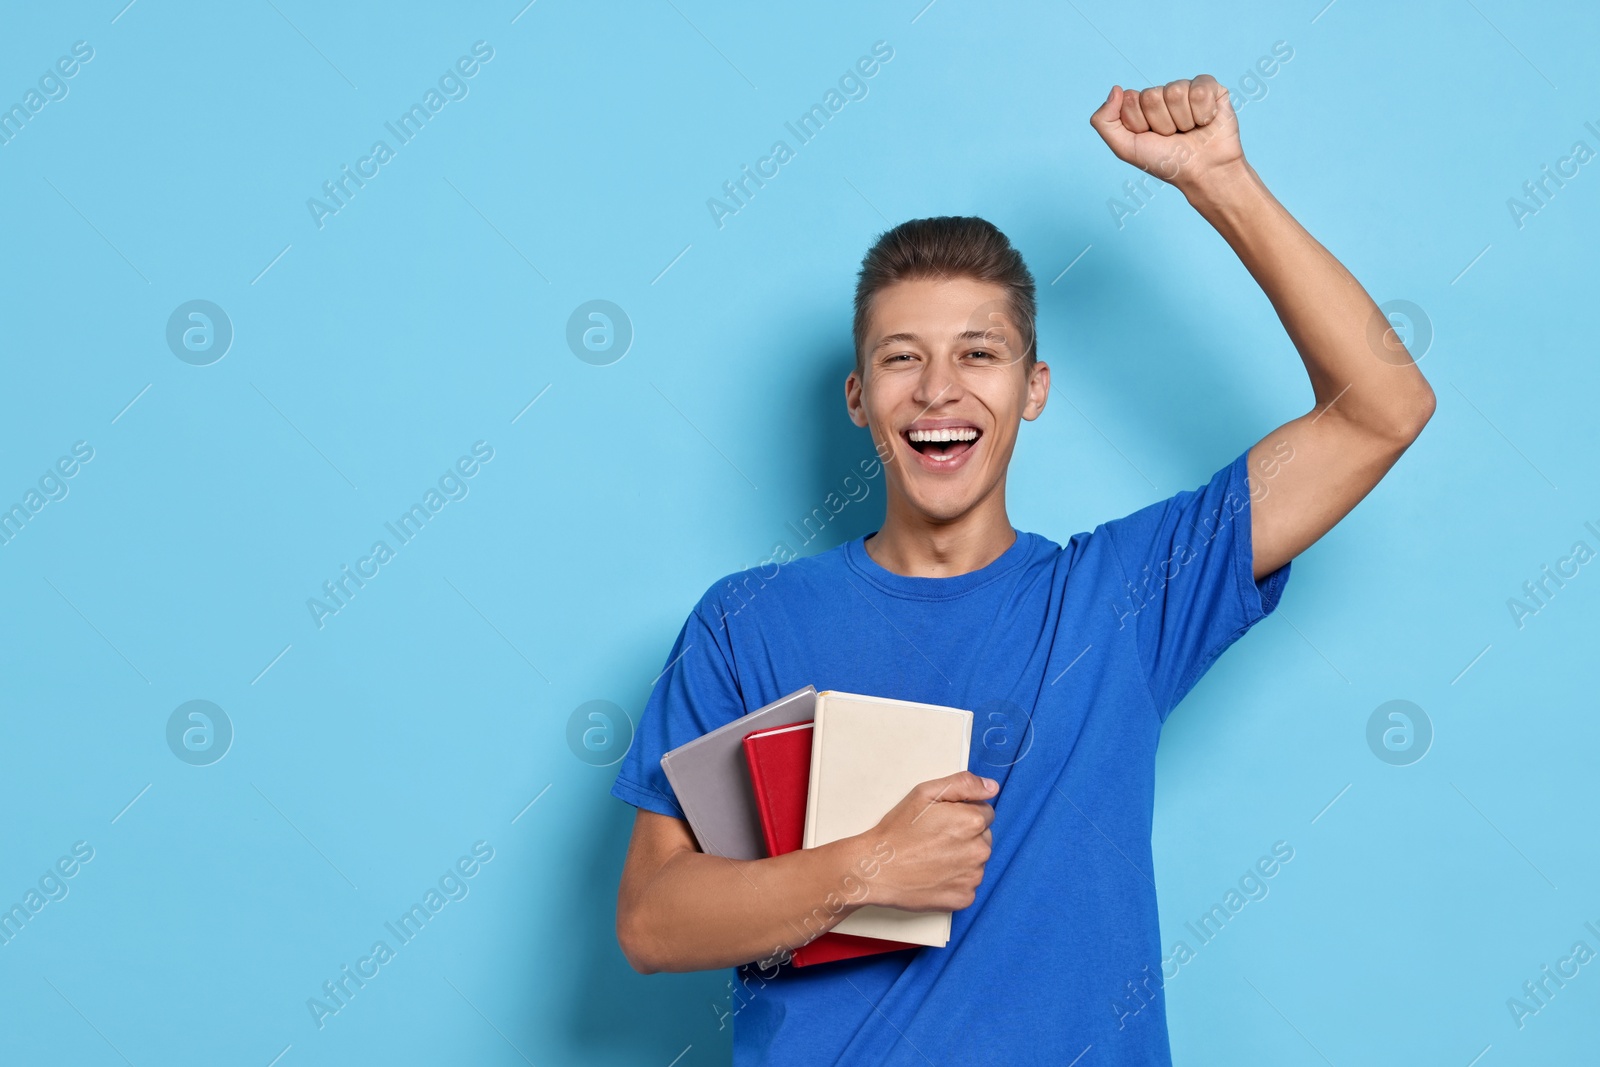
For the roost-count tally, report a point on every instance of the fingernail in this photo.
(991, 783)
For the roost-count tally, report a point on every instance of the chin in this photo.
(946, 506)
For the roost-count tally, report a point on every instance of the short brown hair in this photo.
(947, 246)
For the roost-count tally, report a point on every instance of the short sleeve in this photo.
(696, 692)
(1188, 589)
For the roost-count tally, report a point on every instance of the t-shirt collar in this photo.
(934, 588)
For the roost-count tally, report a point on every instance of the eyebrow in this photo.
(898, 338)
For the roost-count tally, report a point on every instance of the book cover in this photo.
(780, 774)
(867, 753)
(712, 780)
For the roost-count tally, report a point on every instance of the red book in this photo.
(780, 775)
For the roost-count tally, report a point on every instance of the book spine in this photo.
(813, 785)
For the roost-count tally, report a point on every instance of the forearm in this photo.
(1332, 321)
(702, 912)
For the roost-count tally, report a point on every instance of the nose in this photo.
(937, 383)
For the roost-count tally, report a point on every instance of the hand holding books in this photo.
(885, 777)
(939, 839)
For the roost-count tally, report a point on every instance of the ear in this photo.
(853, 386)
(1038, 390)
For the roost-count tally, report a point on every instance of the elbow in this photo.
(634, 944)
(639, 946)
(1419, 412)
(1405, 424)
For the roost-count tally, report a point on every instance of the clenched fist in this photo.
(940, 839)
(1183, 132)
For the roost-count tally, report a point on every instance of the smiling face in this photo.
(943, 387)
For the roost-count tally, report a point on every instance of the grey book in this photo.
(712, 780)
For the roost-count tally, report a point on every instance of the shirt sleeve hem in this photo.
(1256, 599)
(644, 797)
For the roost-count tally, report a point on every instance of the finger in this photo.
(1132, 114)
(963, 785)
(1176, 96)
(1153, 103)
(978, 819)
(1203, 99)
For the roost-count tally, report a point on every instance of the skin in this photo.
(679, 909)
(922, 364)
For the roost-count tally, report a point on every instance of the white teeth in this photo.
(961, 433)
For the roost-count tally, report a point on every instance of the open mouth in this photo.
(944, 445)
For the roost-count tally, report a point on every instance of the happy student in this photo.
(1082, 649)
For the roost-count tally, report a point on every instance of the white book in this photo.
(867, 753)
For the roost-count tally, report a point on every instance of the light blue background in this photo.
(427, 715)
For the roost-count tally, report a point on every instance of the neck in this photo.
(916, 545)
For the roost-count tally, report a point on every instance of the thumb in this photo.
(963, 785)
(1107, 122)
(1109, 108)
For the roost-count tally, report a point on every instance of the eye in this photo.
(981, 352)
(898, 355)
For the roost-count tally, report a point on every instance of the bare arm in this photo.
(679, 909)
(1371, 401)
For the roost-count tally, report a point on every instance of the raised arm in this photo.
(1371, 401)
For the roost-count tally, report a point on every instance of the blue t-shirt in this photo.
(1070, 658)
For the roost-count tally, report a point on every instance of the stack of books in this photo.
(811, 768)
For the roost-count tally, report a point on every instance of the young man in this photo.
(1071, 657)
